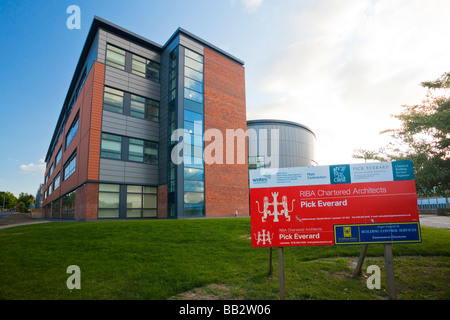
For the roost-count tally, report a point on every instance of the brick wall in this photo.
(87, 143)
(162, 201)
(226, 185)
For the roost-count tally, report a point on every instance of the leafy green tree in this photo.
(8, 198)
(24, 201)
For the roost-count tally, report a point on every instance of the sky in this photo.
(340, 67)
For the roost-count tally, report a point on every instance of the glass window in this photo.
(141, 201)
(138, 66)
(193, 95)
(194, 211)
(135, 189)
(144, 108)
(194, 197)
(56, 182)
(108, 200)
(192, 150)
(70, 166)
(50, 172)
(194, 128)
(193, 162)
(55, 209)
(68, 206)
(188, 72)
(136, 150)
(143, 151)
(115, 57)
(111, 146)
(113, 100)
(109, 187)
(152, 71)
(58, 157)
(192, 84)
(193, 55)
(72, 131)
(145, 68)
(193, 106)
(193, 174)
(193, 64)
(195, 186)
(192, 116)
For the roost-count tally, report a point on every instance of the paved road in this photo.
(435, 221)
(13, 219)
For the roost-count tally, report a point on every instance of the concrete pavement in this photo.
(435, 221)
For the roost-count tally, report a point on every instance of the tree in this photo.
(366, 155)
(424, 138)
(38, 198)
(24, 201)
(9, 199)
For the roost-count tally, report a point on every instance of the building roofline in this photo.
(100, 23)
(203, 42)
(283, 122)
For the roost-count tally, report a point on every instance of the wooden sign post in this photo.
(281, 272)
(388, 264)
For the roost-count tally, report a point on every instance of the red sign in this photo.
(305, 215)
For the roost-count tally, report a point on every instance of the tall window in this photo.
(56, 181)
(108, 200)
(72, 131)
(55, 209)
(113, 100)
(141, 201)
(143, 151)
(68, 206)
(194, 187)
(115, 57)
(173, 57)
(145, 68)
(58, 157)
(111, 146)
(70, 166)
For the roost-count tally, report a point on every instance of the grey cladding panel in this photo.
(112, 170)
(190, 44)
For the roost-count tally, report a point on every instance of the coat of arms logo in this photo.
(264, 237)
(274, 204)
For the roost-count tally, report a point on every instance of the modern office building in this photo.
(111, 152)
(296, 144)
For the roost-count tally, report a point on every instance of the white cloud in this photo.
(251, 5)
(350, 64)
(32, 167)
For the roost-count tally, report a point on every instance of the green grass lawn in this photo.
(163, 259)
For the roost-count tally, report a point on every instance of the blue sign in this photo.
(340, 174)
(403, 170)
(403, 232)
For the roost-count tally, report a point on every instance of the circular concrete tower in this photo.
(280, 143)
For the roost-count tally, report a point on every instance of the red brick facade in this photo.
(162, 201)
(226, 185)
(86, 142)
